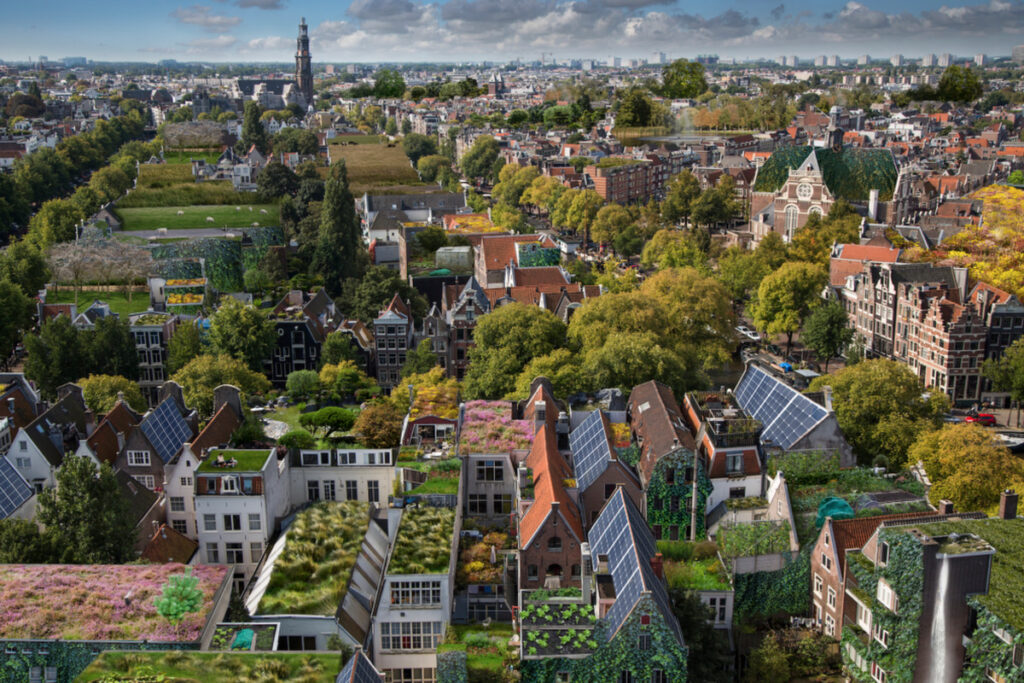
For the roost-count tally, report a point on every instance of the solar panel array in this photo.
(591, 450)
(358, 669)
(787, 415)
(621, 533)
(14, 490)
(166, 429)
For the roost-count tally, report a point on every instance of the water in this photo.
(938, 639)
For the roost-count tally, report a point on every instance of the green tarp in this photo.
(243, 640)
(833, 507)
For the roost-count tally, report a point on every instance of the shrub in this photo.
(297, 438)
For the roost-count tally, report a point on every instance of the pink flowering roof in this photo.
(86, 602)
(488, 427)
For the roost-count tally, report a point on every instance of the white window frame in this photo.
(147, 480)
(138, 459)
(177, 504)
(830, 625)
(831, 600)
(881, 635)
(255, 521)
(878, 674)
(819, 584)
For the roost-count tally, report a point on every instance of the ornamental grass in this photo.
(488, 427)
(424, 541)
(311, 575)
(97, 602)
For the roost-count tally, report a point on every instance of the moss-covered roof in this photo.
(1006, 585)
(850, 174)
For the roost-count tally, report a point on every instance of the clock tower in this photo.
(303, 65)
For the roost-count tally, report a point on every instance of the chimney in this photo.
(10, 406)
(873, 205)
(1008, 504)
(657, 564)
(120, 397)
(827, 396)
(554, 513)
(945, 507)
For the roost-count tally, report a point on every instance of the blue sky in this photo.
(450, 30)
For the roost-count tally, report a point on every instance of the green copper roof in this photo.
(850, 174)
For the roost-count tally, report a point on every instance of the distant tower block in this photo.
(304, 64)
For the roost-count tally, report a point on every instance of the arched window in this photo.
(816, 210)
(554, 544)
(792, 215)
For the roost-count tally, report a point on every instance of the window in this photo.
(826, 562)
(864, 618)
(886, 596)
(502, 503)
(818, 584)
(177, 504)
(883, 554)
(405, 635)
(417, 593)
(644, 643)
(329, 493)
(490, 470)
(877, 672)
(792, 216)
(312, 491)
(881, 635)
(233, 551)
(229, 484)
(232, 522)
(373, 491)
(138, 458)
(626, 677)
(554, 544)
(351, 490)
(35, 674)
(186, 481)
(477, 504)
(180, 525)
(311, 458)
(296, 642)
(1018, 655)
(209, 522)
(830, 625)
(531, 572)
(831, 597)
(738, 492)
(51, 674)
(23, 463)
(212, 556)
(658, 676)
(255, 522)
(734, 463)
(23, 445)
(146, 480)
(346, 458)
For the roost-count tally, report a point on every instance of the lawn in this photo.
(213, 667)
(437, 485)
(375, 166)
(224, 216)
(289, 415)
(118, 301)
(185, 157)
(161, 175)
(246, 461)
(357, 139)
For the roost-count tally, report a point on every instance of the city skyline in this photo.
(498, 30)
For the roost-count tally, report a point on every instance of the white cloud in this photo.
(220, 42)
(270, 43)
(199, 15)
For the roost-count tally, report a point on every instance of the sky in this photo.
(498, 30)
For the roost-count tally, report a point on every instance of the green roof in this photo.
(424, 541)
(850, 174)
(245, 461)
(1006, 586)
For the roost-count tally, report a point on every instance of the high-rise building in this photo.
(928, 61)
(896, 60)
(863, 60)
(980, 59)
(820, 60)
(1018, 54)
(304, 64)
(945, 60)
(833, 60)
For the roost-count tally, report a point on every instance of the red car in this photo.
(984, 419)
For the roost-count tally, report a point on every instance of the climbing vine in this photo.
(69, 657)
(767, 593)
(660, 494)
(989, 651)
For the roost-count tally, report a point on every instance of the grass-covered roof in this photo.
(850, 174)
(424, 541)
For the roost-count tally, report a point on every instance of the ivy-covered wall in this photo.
(451, 666)
(988, 651)
(621, 653)
(763, 594)
(905, 575)
(70, 657)
(660, 494)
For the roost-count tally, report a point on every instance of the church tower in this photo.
(303, 65)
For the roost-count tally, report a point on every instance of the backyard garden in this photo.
(212, 667)
(558, 624)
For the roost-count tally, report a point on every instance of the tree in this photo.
(813, 242)
(184, 345)
(1007, 371)
(582, 212)
(388, 84)
(634, 109)
(419, 360)
(768, 662)
(58, 354)
(827, 331)
(181, 595)
(56, 221)
(627, 359)
(17, 316)
(112, 349)
(379, 425)
(257, 281)
(885, 422)
(430, 166)
(786, 297)
(562, 367)
(417, 146)
(200, 376)
(339, 240)
(276, 180)
(507, 339)
(610, 222)
(967, 465)
(1016, 178)
(771, 251)
(23, 542)
(302, 384)
(740, 271)
(328, 420)
(103, 391)
(86, 515)
(297, 140)
(708, 652)
(345, 379)
(243, 332)
(297, 438)
(253, 132)
(365, 298)
(959, 84)
(716, 204)
(543, 194)
(674, 249)
(23, 264)
(512, 183)
(683, 189)
(478, 161)
(683, 79)
(337, 347)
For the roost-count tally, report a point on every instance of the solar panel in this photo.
(166, 429)
(621, 533)
(787, 415)
(591, 450)
(14, 490)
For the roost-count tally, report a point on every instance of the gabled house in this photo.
(393, 337)
(675, 482)
(302, 321)
(150, 447)
(167, 545)
(38, 450)
(597, 469)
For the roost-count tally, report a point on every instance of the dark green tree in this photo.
(959, 84)
(683, 189)
(634, 109)
(389, 83)
(276, 180)
(22, 542)
(337, 347)
(296, 140)
(420, 359)
(339, 241)
(59, 353)
(827, 331)
(253, 132)
(24, 264)
(708, 659)
(113, 349)
(16, 317)
(181, 595)
(366, 297)
(184, 345)
(242, 332)
(683, 78)
(417, 146)
(479, 161)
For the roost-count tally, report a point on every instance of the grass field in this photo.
(185, 157)
(213, 666)
(376, 166)
(152, 218)
(118, 302)
(161, 175)
(357, 139)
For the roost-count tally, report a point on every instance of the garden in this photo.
(115, 298)
(311, 574)
(488, 655)
(98, 602)
(753, 538)
(374, 166)
(442, 477)
(197, 216)
(475, 566)
(233, 637)
(230, 460)
(557, 623)
(424, 541)
(488, 427)
(706, 574)
(212, 667)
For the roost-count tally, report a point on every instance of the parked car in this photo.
(952, 419)
(984, 419)
(750, 334)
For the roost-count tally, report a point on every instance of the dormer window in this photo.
(229, 484)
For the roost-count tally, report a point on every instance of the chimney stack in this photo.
(826, 392)
(10, 405)
(657, 564)
(945, 507)
(1008, 504)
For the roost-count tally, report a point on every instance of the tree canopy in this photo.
(786, 297)
(243, 332)
(827, 331)
(683, 79)
(102, 392)
(339, 241)
(200, 376)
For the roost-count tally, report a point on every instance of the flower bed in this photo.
(88, 602)
(311, 574)
(424, 540)
(488, 427)
(621, 438)
(475, 560)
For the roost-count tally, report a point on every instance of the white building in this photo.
(928, 61)
(366, 474)
(863, 60)
(896, 60)
(945, 60)
(980, 59)
(833, 60)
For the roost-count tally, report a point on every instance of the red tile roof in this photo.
(865, 252)
(167, 545)
(549, 472)
(546, 275)
(216, 432)
(122, 417)
(104, 442)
